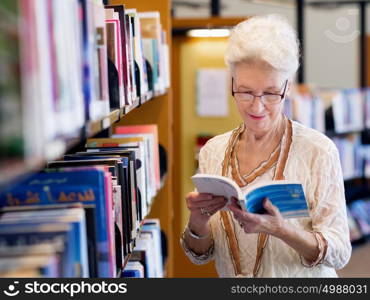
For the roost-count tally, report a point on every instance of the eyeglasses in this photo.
(266, 98)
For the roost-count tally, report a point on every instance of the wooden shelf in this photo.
(16, 169)
(213, 22)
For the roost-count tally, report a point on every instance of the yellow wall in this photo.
(196, 53)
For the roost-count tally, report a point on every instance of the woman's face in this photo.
(258, 79)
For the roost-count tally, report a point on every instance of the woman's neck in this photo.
(262, 139)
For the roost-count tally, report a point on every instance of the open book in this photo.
(287, 196)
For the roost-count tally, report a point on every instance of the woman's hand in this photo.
(202, 206)
(271, 222)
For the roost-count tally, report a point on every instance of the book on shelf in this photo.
(146, 157)
(12, 141)
(367, 107)
(28, 237)
(147, 258)
(95, 59)
(360, 210)
(151, 132)
(40, 264)
(287, 196)
(89, 186)
(133, 269)
(114, 48)
(141, 72)
(348, 110)
(120, 166)
(127, 80)
(63, 63)
(73, 216)
(131, 59)
(351, 155)
(154, 228)
(309, 110)
(67, 64)
(354, 230)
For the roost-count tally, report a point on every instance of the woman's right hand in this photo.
(202, 206)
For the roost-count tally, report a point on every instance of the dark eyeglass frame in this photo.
(282, 96)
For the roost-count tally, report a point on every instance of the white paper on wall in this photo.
(212, 93)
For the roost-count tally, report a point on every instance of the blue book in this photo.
(80, 186)
(32, 234)
(73, 216)
(287, 196)
(153, 226)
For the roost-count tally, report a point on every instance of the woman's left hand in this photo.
(271, 222)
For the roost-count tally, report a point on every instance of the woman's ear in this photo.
(289, 88)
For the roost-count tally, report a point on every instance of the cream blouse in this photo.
(313, 160)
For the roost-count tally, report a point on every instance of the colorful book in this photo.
(68, 187)
(73, 216)
(127, 81)
(151, 129)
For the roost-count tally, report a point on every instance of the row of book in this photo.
(88, 207)
(339, 111)
(147, 259)
(359, 219)
(66, 63)
(352, 154)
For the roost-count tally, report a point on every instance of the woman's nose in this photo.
(257, 105)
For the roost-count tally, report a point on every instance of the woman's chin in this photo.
(256, 126)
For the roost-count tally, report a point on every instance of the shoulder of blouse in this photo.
(310, 139)
(217, 144)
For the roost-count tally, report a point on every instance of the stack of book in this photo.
(138, 54)
(351, 155)
(340, 111)
(359, 212)
(66, 64)
(307, 108)
(367, 107)
(146, 260)
(99, 198)
(348, 110)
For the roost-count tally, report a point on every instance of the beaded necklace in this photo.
(279, 157)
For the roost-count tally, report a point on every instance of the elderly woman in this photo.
(262, 57)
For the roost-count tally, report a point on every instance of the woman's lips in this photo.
(254, 117)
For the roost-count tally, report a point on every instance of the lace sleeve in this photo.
(329, 216)
(198, 259)
(195, 258)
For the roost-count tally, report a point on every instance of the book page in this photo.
(217, 185)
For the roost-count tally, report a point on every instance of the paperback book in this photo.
(287, 196)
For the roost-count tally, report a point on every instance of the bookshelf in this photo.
(150, 108)
(12, 170)
(159, 112)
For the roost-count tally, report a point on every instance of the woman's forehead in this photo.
(252, 80)
(249, 74)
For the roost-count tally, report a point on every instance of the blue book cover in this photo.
(82, 186)
(153, 226)
(73, 216)
(289, 198)
(31, 234)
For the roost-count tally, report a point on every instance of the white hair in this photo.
(266, 38)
